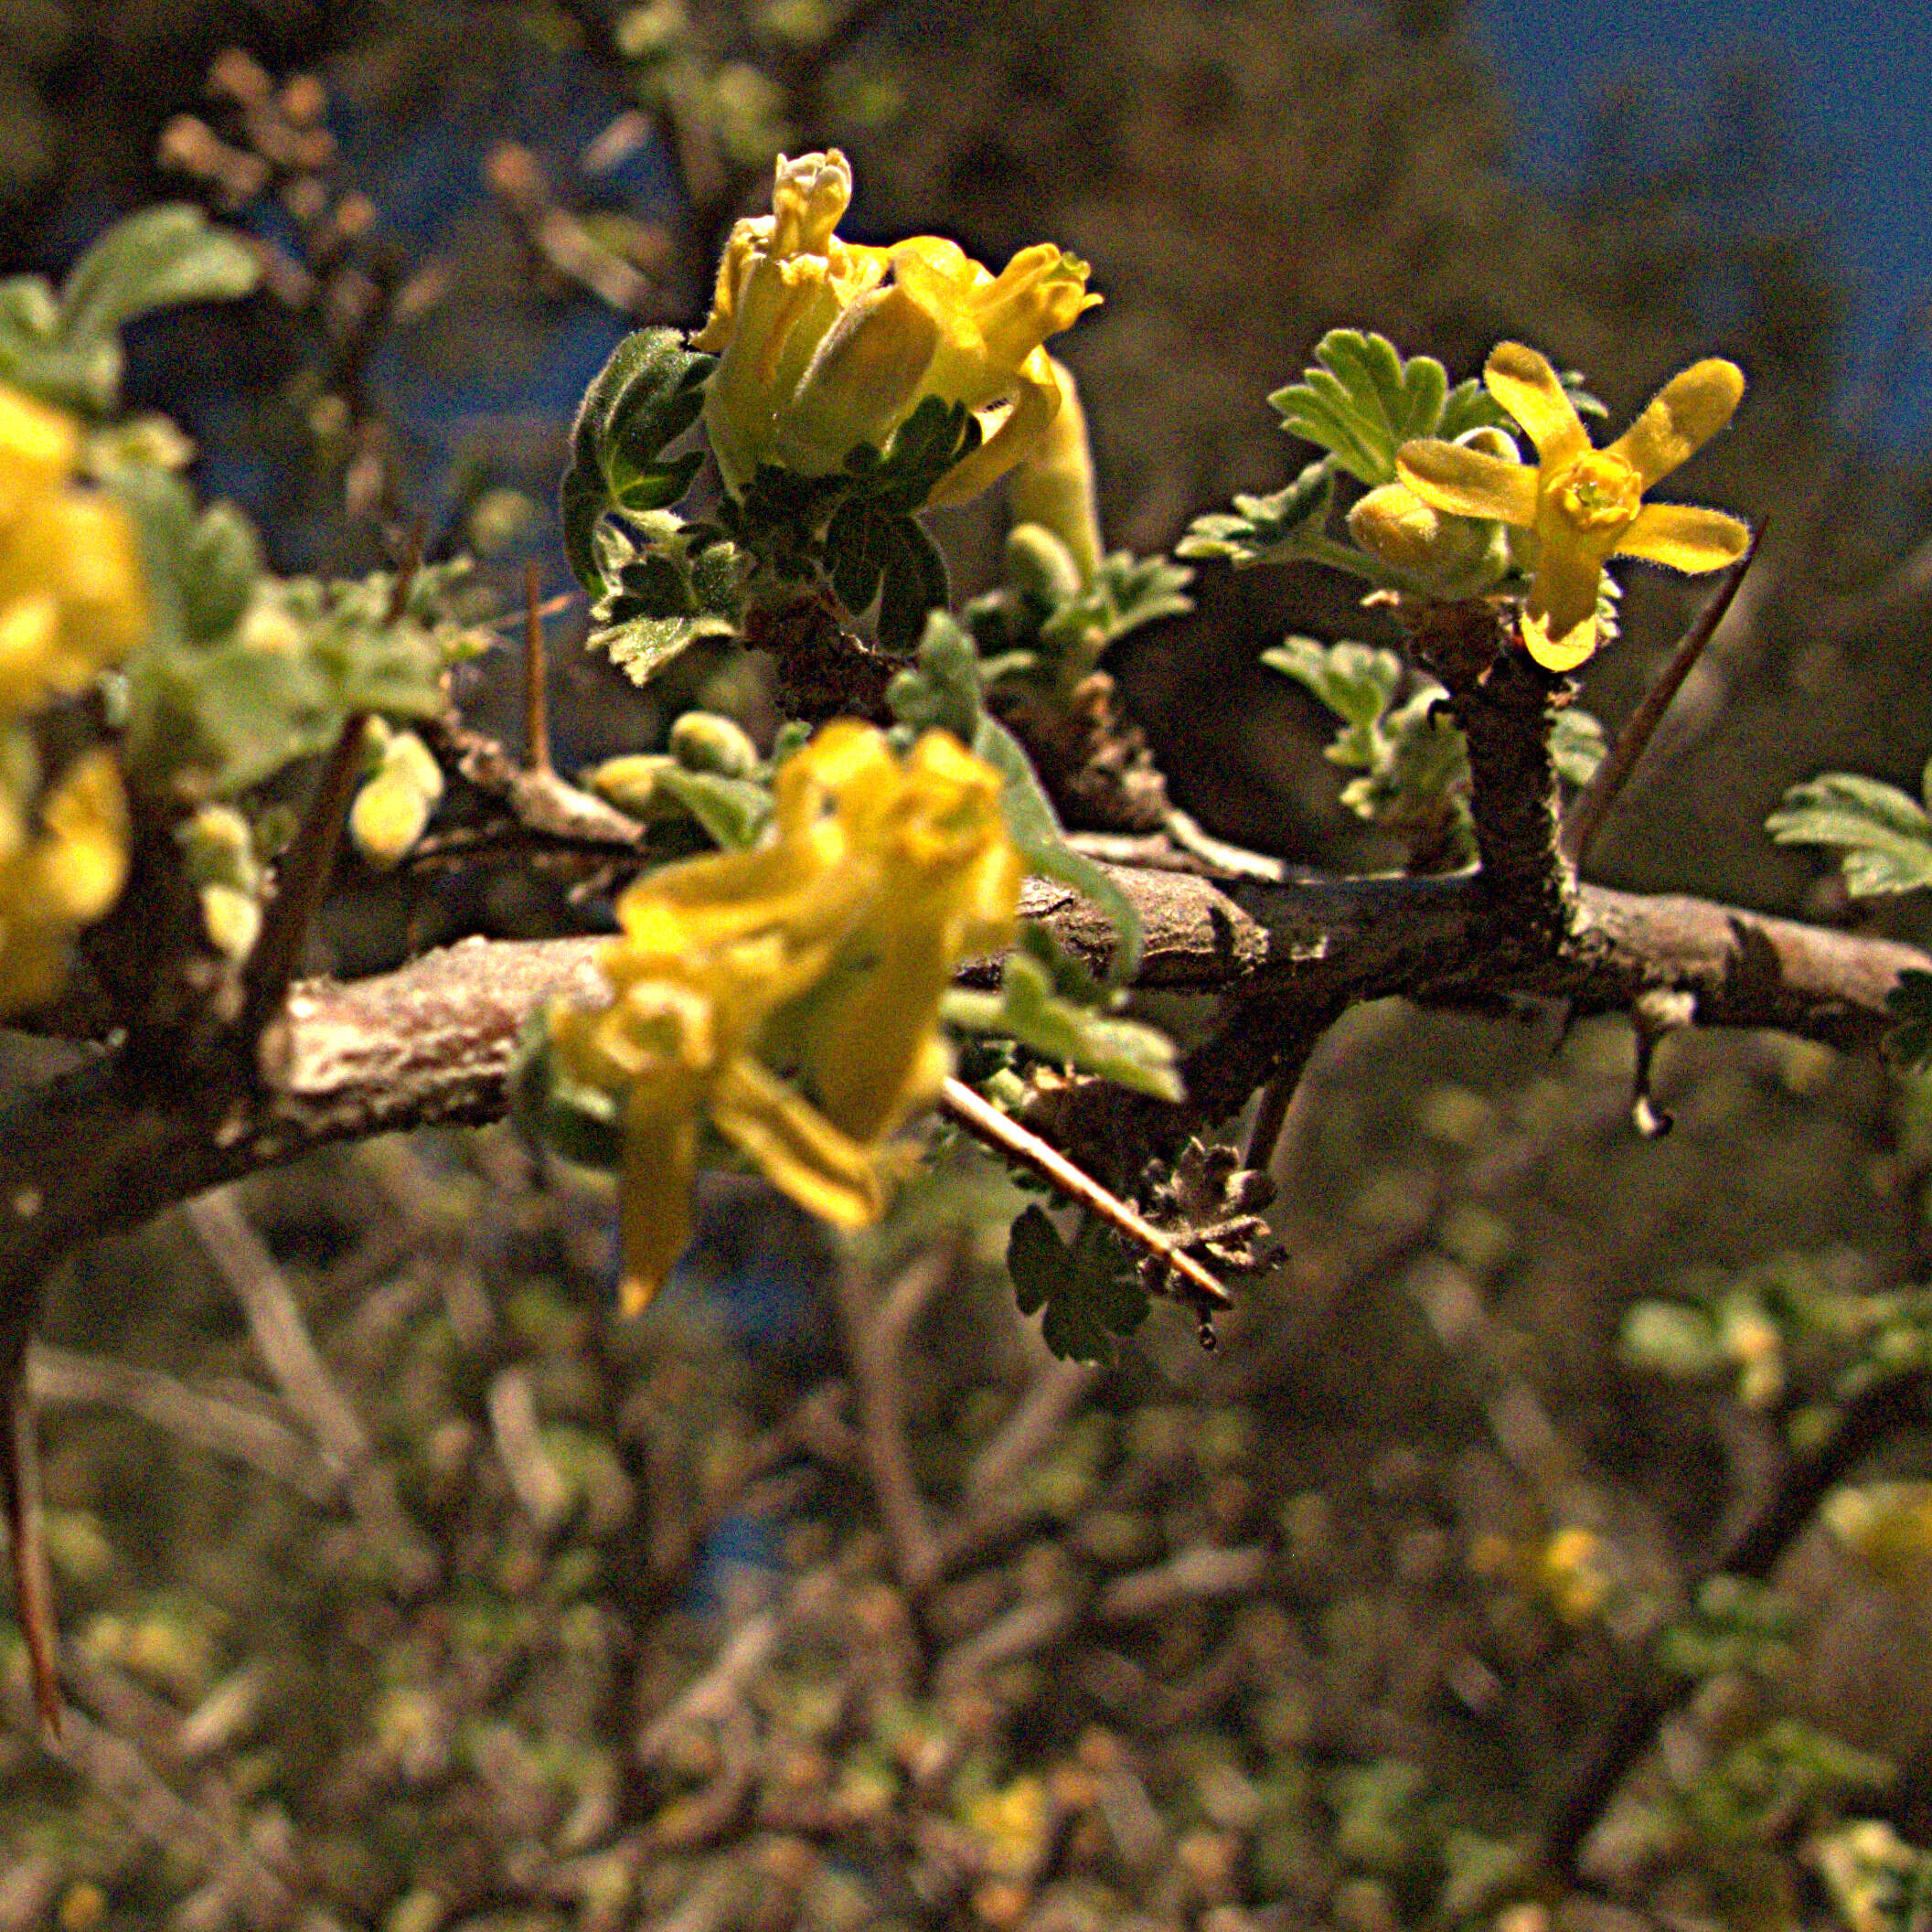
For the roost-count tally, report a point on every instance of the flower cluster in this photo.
(826, 345)
(786, 1000)
(71, 605)
(1584, 506)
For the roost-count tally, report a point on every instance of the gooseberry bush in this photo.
(929, 896)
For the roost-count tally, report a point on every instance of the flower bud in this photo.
(392, 810)
(705, 742)
(1447, 557)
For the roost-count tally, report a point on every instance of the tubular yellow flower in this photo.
(1054, 486)
(825, 344)
(58, 878)
(70, 595)
(70, 605)
(786, 999)
(1586, 504)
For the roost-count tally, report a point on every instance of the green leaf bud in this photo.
(705, 742)
(1039, 563)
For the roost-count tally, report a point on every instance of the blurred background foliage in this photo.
(492, 1612)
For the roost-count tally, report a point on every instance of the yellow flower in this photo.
(70, 595)
(825, 344)
(1586, 504)
(59, 877)
(786, 999)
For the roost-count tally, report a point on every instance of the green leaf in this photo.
(642, 647)
(1576, 746)
(1035, 830)
(1357, 681)
(935, 436)
(1089, 1293)
(1362, 402)
(944, 690)
(1669, 1338)
(666, 588)
(881, 555)
(648, 393)
(1027, 1009)
(1469, 406)
(222, 561)
(156, 258)
(229, 686)
(733, 811)
(1883, 835)
(1288, 527)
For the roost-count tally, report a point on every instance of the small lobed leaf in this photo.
(1286, 526)
(1086, 1294)
(222, 562)
(1909, 1004)
(1576, 746)
(157, 258)
(648, 393)
(1029, 1009)
(642, 647)
(1362, 401)
(1884, 837)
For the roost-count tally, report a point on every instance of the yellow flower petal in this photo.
(1680, 418)
(1684, 538)
(797, 1149)
(1525, 384)
(1013, 436)
(862, 381)
(85, 856)
(660, 1165)
(1559, 619)
(1468, 483)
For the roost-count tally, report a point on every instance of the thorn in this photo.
(33, 1592)
(1005, 1135)
(536, 697)
(1592, 805)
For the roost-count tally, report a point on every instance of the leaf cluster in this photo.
(66, 349)
(1882, 836)
(1398, 735)
(1045, 627)
(242, 673)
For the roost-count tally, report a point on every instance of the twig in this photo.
(1055, 1393)
(1278, 1094)
(1593, 804)
(59, 1376)
(720, 1689)
(1195, 1575)
(536, 695)
(876, 1336)
(303, 880)
(514, 1428)
(1027, 1628)
(1865, 1423)
(985, 1123)
(283, 1339)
